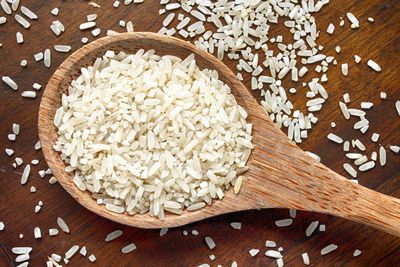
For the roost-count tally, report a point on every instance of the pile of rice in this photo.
(148, 133)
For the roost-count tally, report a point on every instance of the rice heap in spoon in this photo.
(148, 133)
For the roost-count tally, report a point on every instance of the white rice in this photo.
(37, 233)
(6, 8)
(328, 249)
(357, 253)
(350, 170)
(128, 248)
(19, 37)
(21, 250)
(168, 19)
(23, 22)
(330, 29)
(87, 25)
(63, 226)
(91, 17)
(273, 254)
(335, 138)
(25, 174)
(10, 82)
(92, 258)
(83, 251)
(28, 94)
(62, 48)
(71, 252)
(354, 21)
(21, 258)
(236, 225)
(345, 69)
(395, 149)
(306, 259)
(54, 11)
(382, 156)
(163, 231)
(47, 58)
(367, 166)
(311, 228)
(9, 152)
(270, 244)
(53, 232)
(29, 13)
(38, 56)
(113, 235)
(284, 222)
(373, 65)
(253, 252)
(210, 242)
(146, 183)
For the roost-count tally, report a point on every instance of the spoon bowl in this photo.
(280, 174)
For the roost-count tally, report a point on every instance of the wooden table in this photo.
(379, 41)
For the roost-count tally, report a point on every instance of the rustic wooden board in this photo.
(379, 41)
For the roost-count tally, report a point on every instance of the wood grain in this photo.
(280, 174)
(379, 41)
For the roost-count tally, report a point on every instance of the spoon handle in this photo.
(287, 177)
(360, 204)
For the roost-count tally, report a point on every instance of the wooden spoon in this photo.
(281, 175)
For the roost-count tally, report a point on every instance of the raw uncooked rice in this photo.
(171, 138)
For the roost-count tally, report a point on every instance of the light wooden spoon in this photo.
(281, 175)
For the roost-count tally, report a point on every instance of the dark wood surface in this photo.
(379, 41)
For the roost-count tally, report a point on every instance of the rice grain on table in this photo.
(21, 250)
(53, 232)
(23, 22)
(253, 252)
(373, 65)
(63, 226)
(47, 58)
(128, 248)
(350, 170)
(284, 222)
(367, 166)
(382, 156)
(6, 8)
(306, 259)
(311, 228)
(113, 235)
(25, 174)
(10, 82)
(273, 254)
(29, 13)
(37, 233)
(335, 138)
(19, 37)
(71, 252)
(92, 258)
(354, 21)
(21, 258)
(357, 253)
(28, 94)
(395, 149)
(62, 48)
(328, 249)
(210, 242)
(236, 225)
